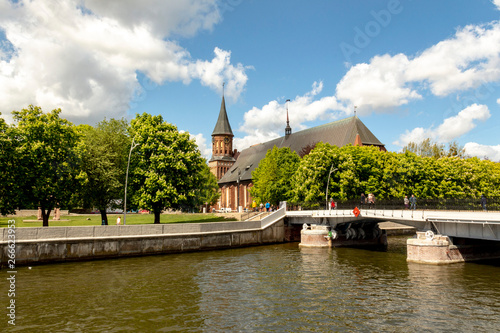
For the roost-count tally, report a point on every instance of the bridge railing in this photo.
(270, 219)
(455, 204)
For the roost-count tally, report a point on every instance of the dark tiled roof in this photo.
(338, 133)
(222, 126)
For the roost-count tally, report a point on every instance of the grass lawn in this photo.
(95, 219)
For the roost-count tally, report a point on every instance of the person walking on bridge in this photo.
(413, 202)
(332, 204)
(483, 202)
(371, 200)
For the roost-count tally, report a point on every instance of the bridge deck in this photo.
(465, 224)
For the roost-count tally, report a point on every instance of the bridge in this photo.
(442, 236)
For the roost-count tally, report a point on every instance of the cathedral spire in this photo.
(222, 126)
(288, 129)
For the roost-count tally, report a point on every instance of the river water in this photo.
(274, 288)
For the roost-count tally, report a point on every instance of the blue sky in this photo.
(414, 69)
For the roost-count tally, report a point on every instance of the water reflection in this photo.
(462, 293)
(271, 288)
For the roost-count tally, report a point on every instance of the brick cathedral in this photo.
(233, 169)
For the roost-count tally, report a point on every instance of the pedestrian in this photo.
(413, 202)
(332, 204)
(371, 200)
(268, 206)
(261, 207)
(406, 201)
(363, 199)
(118, 220)
(254, 206)
(483, 202)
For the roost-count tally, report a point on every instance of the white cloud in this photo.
(205, 149)
(481, 151)
(450, 129)
(267, 123)
(418, 134)
(462, 123)
(498, 100)
(214, 73)
(379, 85)
(497, 3)
(84, 56)
(468, 60)
(184, 17)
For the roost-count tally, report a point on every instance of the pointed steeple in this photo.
(288, 129)
(222, 127)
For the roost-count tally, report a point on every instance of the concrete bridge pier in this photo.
(428, 248)
(326, 236)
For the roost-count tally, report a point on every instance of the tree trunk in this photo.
(104, 216)
(45, 216)
(157, 216)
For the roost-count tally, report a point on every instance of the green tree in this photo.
(10, 176)
(454, 149)
(104, 156)
(207, 191)
(391, 175)
(429, 148)
(48, 159)
(310, 180)
(272, 178)
(166, 167)
(357, 170)
(425, 148)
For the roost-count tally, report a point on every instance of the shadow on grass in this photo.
(215, 219)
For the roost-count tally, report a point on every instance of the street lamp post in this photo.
(132, 146)
(328, 183)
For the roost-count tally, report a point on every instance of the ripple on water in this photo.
(270, 288)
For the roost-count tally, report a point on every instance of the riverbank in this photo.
(55, 244)
(35, 245)
(68, 220)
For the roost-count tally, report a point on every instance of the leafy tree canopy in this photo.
(390, 175)
(272, 178)
(207, 191)
(104, 155)
(428, 148)
(166, 167)
(9, 169)
(48, 159)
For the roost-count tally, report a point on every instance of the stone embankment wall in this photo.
(51, 244)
